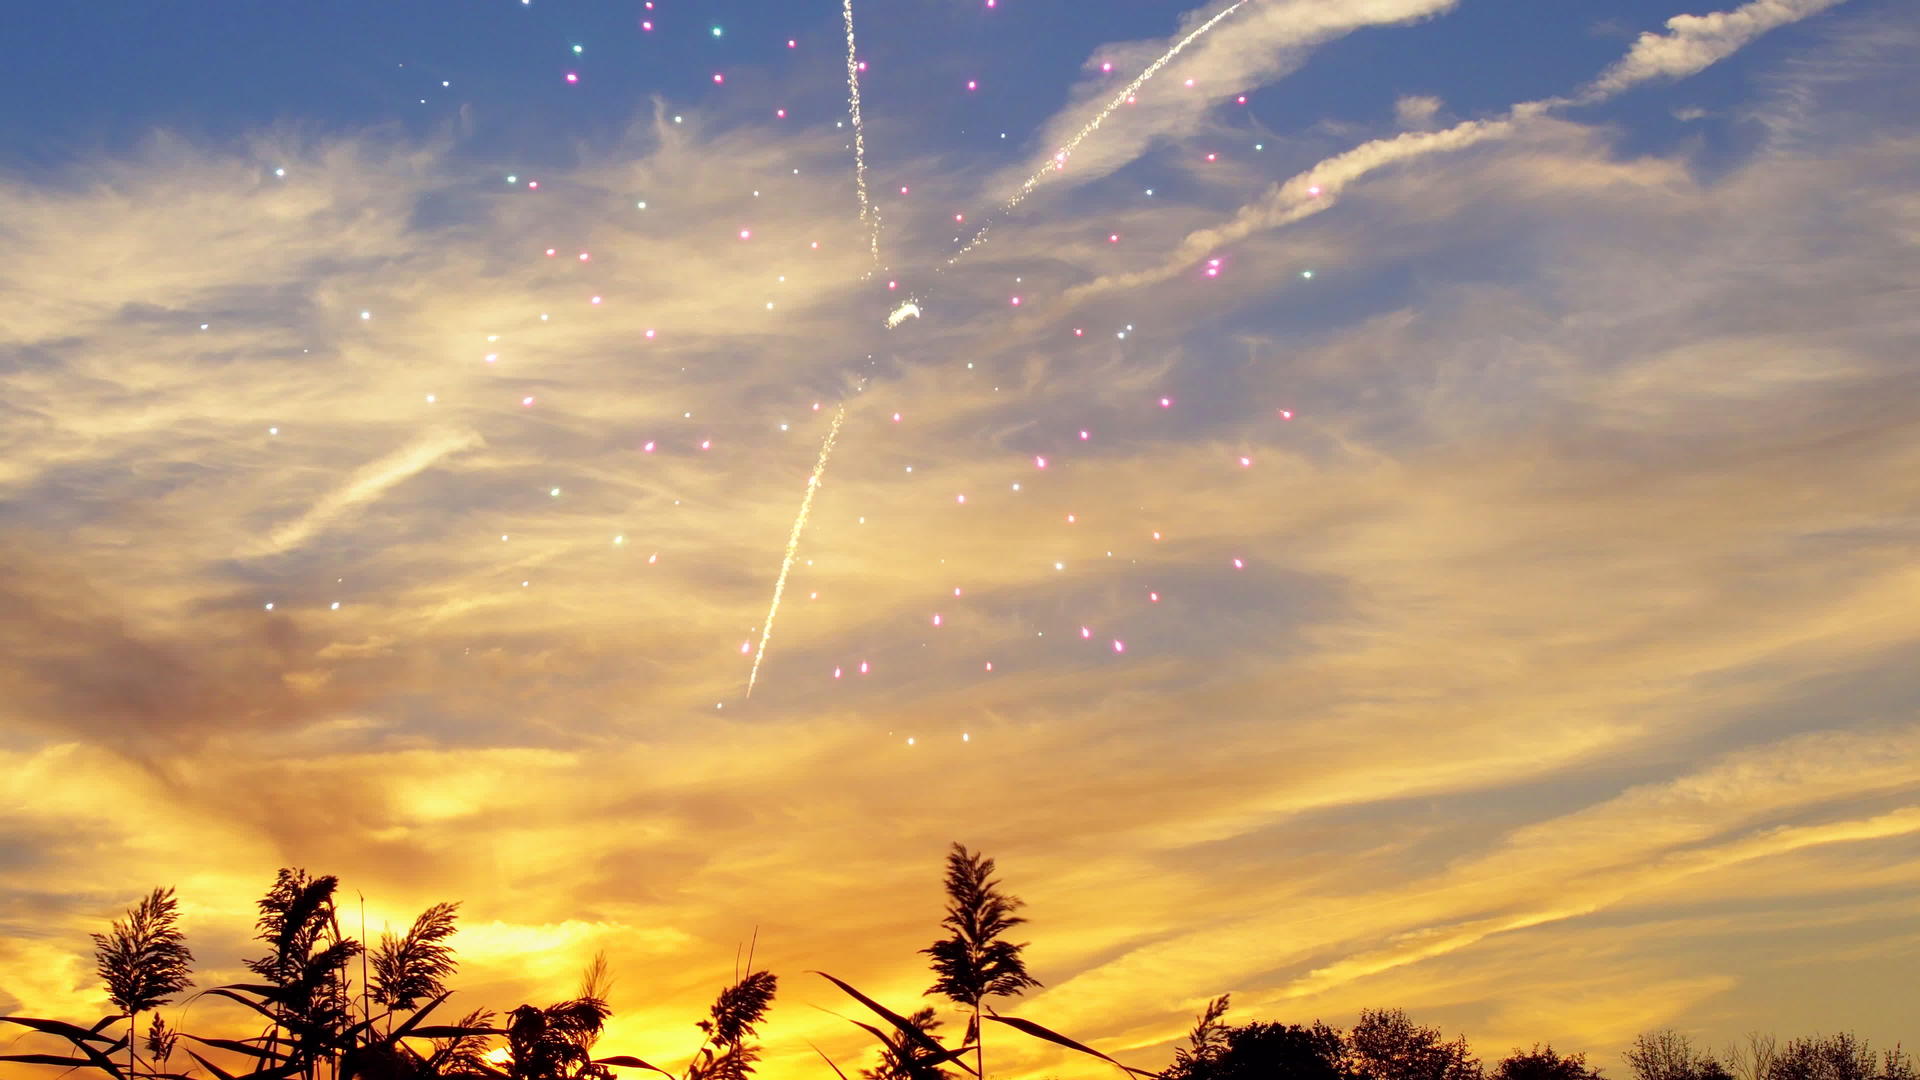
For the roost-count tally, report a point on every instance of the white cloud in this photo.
(1415, 110)
(1693, 43)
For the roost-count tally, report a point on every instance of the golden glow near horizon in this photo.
(1491, 593)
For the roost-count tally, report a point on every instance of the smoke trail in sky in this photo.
(1304, 195)
(1061, 155)
(368, 484)
(793, 544)
(868, 215)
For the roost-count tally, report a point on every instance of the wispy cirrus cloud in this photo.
(1696, 43)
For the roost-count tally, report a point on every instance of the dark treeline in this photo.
(317, 1021)
(1386, 1045)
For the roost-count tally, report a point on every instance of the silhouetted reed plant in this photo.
(310, 1028)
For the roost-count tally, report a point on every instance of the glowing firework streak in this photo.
(871, 218)
(1060, 156)
(793, 544)
(868, 215)
(908, 310)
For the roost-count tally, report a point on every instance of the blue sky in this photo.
(83, 77)
(1438, 533)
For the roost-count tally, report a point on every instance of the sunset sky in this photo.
(1418, 508)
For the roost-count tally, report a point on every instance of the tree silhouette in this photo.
(1896, 1064)
(1669, 1055)
(1541, 1063)
(976, 962)
(143, 961)
(1257, 1051)
(1837, 1057)
(1385, 1045)
(1752, 1060)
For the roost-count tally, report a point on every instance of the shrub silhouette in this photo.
(1256, 1051)
(1541, 1063)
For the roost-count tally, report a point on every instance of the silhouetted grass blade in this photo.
(71, 1032)
(48, 1059)
(451, 1031)
(628, 1061)
(218, 1072)
(238, 1047)
(81, 1038)
(413, 1021)
(829, 1061)
(1051, 1036)
(228, 992)
(876, 1032)
(887, 1014)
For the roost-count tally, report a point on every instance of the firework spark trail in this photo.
(871, 218)
(793, 544)
(1066, 151)
(868, 215)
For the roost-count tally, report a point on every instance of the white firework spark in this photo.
(868, 215)
(1059, 159)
